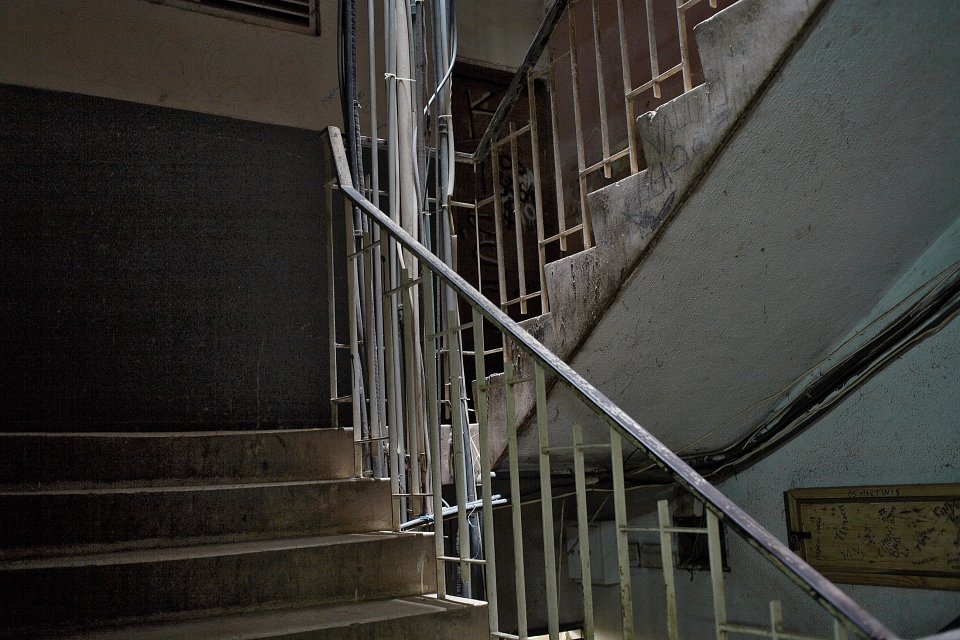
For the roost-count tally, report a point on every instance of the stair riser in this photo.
(466, 624)
(382, 566)
(315, 454)
(39, 524)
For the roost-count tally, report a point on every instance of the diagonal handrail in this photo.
(832, 598)
(519, 82)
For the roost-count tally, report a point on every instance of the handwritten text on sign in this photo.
(903, 535)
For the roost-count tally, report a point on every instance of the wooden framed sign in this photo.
(896, 535)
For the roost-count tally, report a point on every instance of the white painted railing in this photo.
(416, 369)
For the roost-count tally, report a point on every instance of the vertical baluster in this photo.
(371, 339)
(839, 630)
(374, 79)
(459, 455)
(546, 507)
(518, 219)
(557, 164)
(433, 422)
(669, 580)
(652, 40)
(378, 363)
(489, 549)
(412, 397)
(583, 530)
(498, 220)
(538, 194)
(476, 235)
(632, 141)
(684, 46)
(620, 517)
(716, 575)
(601, 91)
(578, 121)
(776, 619)
(396, 398)
(394, 395)
(515, 502)
(332, 312)
(355, 371)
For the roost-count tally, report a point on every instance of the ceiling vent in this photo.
(294, 15)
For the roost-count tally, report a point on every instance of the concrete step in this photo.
(190, 582)
(411, 618)
(144, 459)
(58, 522)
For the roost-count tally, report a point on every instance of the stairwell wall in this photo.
(900, 427)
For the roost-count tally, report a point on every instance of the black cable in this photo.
(925, 317)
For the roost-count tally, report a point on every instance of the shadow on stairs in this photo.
(209, 535)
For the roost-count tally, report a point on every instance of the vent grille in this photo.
(296, 15)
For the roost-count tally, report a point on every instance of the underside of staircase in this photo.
(772, 216)
(257, 534)
(740, 48)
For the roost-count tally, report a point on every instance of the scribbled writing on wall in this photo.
(906, 535)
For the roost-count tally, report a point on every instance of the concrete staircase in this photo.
(740, 48)
(209, 535)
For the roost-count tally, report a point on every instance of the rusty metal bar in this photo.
(514, 134)
(633, 144)
(498, 222)
(518, 220)
(546, 507)
(583, 531)
(684, 46)
(601, 90)
(652, 43)
(623, 550)
(520, 585)
(578, 122)
(557, 165)
(538, 194)
(489, 549)
(716, 575)
(669, 579)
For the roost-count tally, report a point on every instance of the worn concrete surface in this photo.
(76, 460)
(410, 618)
(115, 531)
(94, 520)
(191, 581)
(839, 178)
(900, 427)
(740, 47)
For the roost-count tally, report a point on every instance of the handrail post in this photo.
(828, 595)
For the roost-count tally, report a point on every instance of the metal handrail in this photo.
(834, 600)
(519, 82)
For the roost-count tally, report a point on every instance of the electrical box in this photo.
(604, 565)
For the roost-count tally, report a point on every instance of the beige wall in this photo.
(497, 32)
(149, 53)
(143, 52)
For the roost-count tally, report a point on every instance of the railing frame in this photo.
(828, 595)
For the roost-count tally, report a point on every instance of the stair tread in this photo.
(279, 623)
(106, 488)
(161, 434)
(170, 554)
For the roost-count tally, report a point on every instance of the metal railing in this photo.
(431, 351)
(539, 182)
